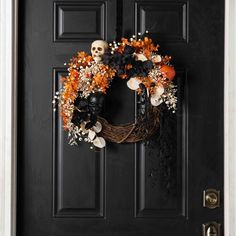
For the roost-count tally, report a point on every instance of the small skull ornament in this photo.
(98, 49)
(95, 103)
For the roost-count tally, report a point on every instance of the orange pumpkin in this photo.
(169, 72)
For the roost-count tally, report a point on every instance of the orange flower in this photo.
(124, 76)
(141, 46)
(74, 73)
(124, 41)
(127, 67)
(166, 59)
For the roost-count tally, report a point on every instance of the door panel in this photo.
(78, 173)
(148, 188)
(70, 18)
(168, 21)
(192, 32)
(161, 165)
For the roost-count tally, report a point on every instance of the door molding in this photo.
(8, 117)
(230, 119)
(8, 95)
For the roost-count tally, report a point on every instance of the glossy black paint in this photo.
(152, 188)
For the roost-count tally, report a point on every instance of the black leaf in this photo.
(129, 50)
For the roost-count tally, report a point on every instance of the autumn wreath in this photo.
(89, 77)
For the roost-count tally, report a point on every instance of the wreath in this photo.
(80, 100)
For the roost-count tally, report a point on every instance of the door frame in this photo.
(230, 119)
(8, 117)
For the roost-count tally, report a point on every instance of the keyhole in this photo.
(211, 231)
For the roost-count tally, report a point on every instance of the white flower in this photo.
(91, 134)
(140, 57)
(156, 98)
(133, 83)
(156, 58)
(82, 127)
(97, 127)
(156, 101)
(99, 142)
(159, 91)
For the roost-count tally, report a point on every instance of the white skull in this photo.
(98, 49)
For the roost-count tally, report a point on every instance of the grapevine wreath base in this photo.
(81, 98)
(142, 129)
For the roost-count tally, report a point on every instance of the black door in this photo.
(126, 189)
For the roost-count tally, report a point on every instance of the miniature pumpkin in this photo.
(169, 72)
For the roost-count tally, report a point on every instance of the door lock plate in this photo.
(211, 229)
(211, 198)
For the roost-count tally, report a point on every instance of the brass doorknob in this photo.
(211, 198)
